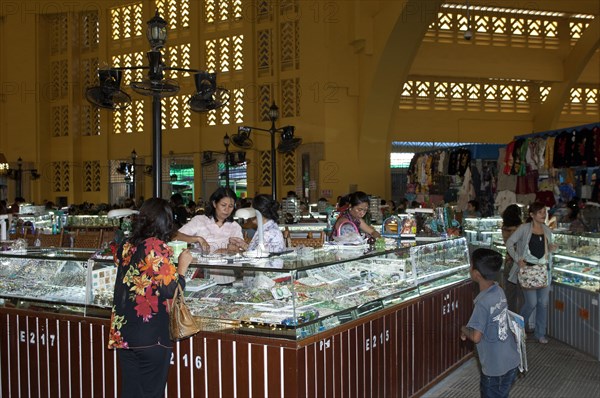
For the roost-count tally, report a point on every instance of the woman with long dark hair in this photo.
(146, 279)
(530, 246)
(353, 214)
(511, 220)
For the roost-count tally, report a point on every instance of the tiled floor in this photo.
(556, 370)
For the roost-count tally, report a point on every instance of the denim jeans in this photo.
(497, 386)
(536, 299)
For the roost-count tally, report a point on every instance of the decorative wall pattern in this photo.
(89, 31)
(59, 72)
(264, 166)
(290, 97)
(91, 176)
(176, 113)
(176, 12)
(61, 175)
(59, 33)
(264, 46)
(265, 98)
(263, 10)
(178, 56)
(127, 21)
(129, 120)
(128, 60)
(224, 54)
(289, 168)
(506, 27)
(60, 120)
(289, 45)
(89, 114)
(238, 105)
(490, 96)
(222, 10)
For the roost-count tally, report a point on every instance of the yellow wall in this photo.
(355, 57)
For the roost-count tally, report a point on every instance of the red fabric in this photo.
(545, 197)
(508, 160)
(528, 183)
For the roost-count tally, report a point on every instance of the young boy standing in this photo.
(488, 327)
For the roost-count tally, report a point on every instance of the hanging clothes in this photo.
(549, 153)
(466, 192)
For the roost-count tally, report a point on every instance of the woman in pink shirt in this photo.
(216, 232)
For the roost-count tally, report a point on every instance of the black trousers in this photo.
(144, 371)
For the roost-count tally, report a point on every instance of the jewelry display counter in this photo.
(329, 321)
(482, 232)
(574, 316)
(91, 221)
(54, 333)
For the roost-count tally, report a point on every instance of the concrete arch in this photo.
(549, 113)
(389, 74)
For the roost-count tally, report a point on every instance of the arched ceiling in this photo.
(400, 54)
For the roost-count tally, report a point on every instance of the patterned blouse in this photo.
(146, 279)
(272, 236)
(349, 217)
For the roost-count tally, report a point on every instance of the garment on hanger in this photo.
(503, 199)
(527, 183)
(509, 160)
(549, 153)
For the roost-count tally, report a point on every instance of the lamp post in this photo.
(273, 116)
(4, 166)
(287, 144)
(226, 142)
(133, 172)
(108, 94)
(17, 175)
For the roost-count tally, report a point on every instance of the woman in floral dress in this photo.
(146, 280)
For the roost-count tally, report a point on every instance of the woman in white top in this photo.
(272, 235)
(216, 232)
(531, 245)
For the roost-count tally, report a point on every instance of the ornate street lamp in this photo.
(17, 175)
(108, 94)
(287, 144)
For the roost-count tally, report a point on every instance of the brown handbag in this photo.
(182, 323)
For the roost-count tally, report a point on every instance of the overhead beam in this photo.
(549, 112)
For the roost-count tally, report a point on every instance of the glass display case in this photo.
(482, 231)
(300, 294)
(37, 221)
(576, 262)
(91, 221)
(440, 264)
(59, 280)
(574, 316)
(294, 295)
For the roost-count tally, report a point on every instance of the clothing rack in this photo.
(478, 151)
(550, 133)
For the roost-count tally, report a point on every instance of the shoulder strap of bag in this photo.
(175, 297)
